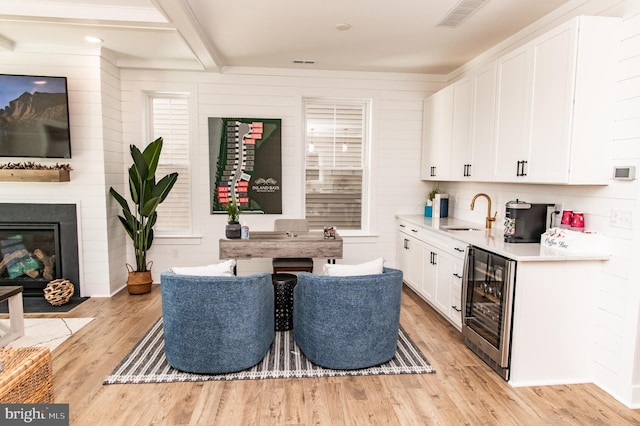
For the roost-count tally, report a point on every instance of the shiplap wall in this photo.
(616, 352)
(113, 150)
(88, 82)
(396, 135)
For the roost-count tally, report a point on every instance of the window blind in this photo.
(170, 120)
(335, 142)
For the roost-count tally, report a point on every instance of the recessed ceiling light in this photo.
(343, 27)
(92, 39)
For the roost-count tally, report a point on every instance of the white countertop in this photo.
(493, 240)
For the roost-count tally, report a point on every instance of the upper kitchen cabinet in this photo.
(474, 100)
(512, 114)
(461, 139)
(554, 101)
(436, 135)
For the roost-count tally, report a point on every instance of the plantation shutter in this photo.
(334, 169)
(170, 120)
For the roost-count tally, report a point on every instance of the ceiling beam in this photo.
(182, 17)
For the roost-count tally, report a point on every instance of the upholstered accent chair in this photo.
(216, 324)
(347, 322)
(297, 264)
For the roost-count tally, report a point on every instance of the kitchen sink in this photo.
(461, 228)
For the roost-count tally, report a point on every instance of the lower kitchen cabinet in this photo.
(409, 255)
(455, 310)
(432, 267)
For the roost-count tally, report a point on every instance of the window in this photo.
(336, 140)
(170, 120)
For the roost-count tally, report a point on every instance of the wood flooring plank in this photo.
(463, 391)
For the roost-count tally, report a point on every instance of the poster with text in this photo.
(245, 164)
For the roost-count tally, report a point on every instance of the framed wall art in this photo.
(245, 157)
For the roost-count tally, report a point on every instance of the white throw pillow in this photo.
(222, 269)
(368, 268)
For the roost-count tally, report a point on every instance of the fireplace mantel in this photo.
(28, 175)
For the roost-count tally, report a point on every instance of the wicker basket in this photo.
(58, 292)
(27, 376)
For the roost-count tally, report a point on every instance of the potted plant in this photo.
(428, 207)
(233, 229)
(146, 194)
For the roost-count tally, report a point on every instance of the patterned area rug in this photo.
(146, 363)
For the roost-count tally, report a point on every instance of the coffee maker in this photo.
(525, 222)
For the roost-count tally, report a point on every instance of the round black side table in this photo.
(283, 285)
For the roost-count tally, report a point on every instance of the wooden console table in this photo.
(16, 314)
(279, 244)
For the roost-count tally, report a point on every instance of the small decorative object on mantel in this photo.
(32, 172)
(329, 232)
(58, 292)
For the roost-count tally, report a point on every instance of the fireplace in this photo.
(38, 243)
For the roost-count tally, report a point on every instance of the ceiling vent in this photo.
(461, 11)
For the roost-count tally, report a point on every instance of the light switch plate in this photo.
(621, 219)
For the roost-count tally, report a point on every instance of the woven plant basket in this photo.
(139, 282)
(27, 376)
(58, 292)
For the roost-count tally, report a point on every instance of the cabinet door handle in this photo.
(520, 169)
(403, 226)
(459, 249)
(414, 230)
(406, 244)
(457, 275)
(433, 171)
(435, 258)
(456, 308)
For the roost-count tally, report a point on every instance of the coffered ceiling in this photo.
(362, 35)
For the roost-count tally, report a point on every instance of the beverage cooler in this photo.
(487, 296)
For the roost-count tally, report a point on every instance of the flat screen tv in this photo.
(34, 117)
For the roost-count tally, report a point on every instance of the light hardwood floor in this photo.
(463, 390)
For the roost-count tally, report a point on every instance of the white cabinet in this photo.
(461, 139)
(539, 114)
(444, 271)
(571, 101)
(410, 254)
(432, 267)
(455, 310)
(482, 131)
(436, 280)
(512, 114)
(474, 100)
(429, 275)
(554, 95)
(436, 135)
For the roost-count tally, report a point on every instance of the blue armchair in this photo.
(216, 324)
(347, 322)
